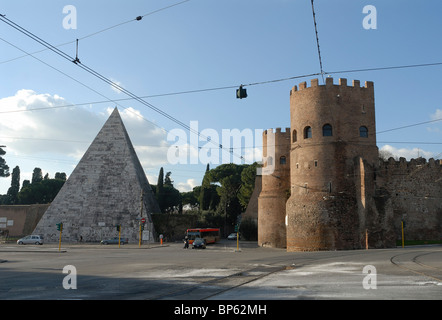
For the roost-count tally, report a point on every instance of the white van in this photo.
(33, 239)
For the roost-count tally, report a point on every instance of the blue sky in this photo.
(204, 44)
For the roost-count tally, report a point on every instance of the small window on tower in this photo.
(294, 136)
(282, 160)
(307, 132)
(327, 130)
(363, 132)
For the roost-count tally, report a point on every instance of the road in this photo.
(219, 272)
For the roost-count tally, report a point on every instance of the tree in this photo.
(25, 184)
(60, 176)
(15, 186)
(169, 198)
(248, 176)
(208, 197)
(43, 191)
(205, 194)
(159, 192)
(4, 168)
(37, 176)
(172, 199)
(229, 178)
(167, 180)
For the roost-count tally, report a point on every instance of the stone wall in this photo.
(20, 220)
(173, 226)
(415, 191)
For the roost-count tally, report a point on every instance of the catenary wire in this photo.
(140, 99)
(138, 18)
(79, 82)
(106, 80)
(182, 92)
(317, 41)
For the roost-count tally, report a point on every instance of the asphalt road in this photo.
(220, 272)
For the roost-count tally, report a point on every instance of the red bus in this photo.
(211, 235)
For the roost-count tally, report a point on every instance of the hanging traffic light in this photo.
(241, 93)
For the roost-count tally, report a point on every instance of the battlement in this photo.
(403, 164)
(277, 131)
(329, 83)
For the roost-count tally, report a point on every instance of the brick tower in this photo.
(332, 159)
(275, 188)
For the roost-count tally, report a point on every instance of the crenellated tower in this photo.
(275, 188)
(324, 186)
(332, 159)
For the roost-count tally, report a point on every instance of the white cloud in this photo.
(407, 153)
(118, 83)
(186, 186)
(68, 131)
(437, 115)
(436, 126)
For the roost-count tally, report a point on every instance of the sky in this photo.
(187, 58)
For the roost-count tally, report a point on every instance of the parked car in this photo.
(199, 243)
(114, 240)
(32, 239)
(232, 236)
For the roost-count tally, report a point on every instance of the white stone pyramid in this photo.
(108, 187)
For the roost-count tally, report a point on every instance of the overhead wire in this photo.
(191, 91)
(79, 82)
(317, 41)
(106, 80)
(138, 18)
(141, 99)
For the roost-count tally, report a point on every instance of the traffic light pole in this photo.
(59, 241)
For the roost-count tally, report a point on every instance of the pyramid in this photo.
(107, 188)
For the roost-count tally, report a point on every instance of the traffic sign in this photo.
(143, 220)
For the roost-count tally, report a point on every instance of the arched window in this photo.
(327, 130)
(282, 160)
(307, 132)
(294, 136)
(363, 132)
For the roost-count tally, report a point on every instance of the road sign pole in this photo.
(139, 241)
(402, 227)
(119, 237)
